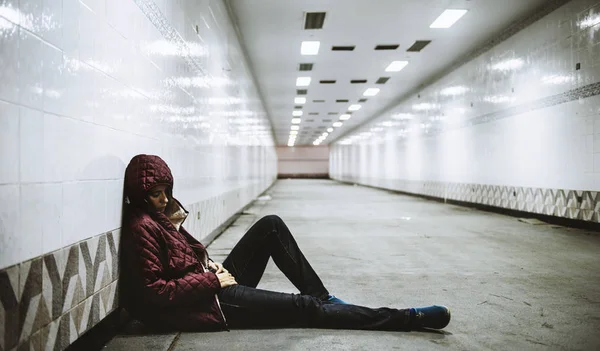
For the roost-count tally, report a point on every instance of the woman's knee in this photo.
(272, 219)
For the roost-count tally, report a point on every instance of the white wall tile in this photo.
(31, 58)
(9, 143)
(31, 208)
(31, 145)
(52, 22)
(9, 225)
(9, 61)
(51, 217)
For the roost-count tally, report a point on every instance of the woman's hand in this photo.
(226, 279)
(216, 267)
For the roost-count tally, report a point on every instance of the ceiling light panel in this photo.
(396, 66)
(296, 120)
(300, 100)
(447, 18)
(314, 20)
(371, 92)
(345, 117)
(338, 124)
(295, 128)
(297, 113)
(310, 47)
(354, 107)
(303, 81)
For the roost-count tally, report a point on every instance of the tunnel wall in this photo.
(515, 127)
(86, 85)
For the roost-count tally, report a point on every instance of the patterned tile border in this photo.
(572, 204)
(46, 303)
(66, 291)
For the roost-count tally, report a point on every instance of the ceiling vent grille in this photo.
(318, 100)
(298, 107)
(387, 47)
(332, 113)
(358, 81)
(305, 67)
(301, 91)
(382, 80)
(313, 113)
(343, 48)
(342, 100)
(314, 20)
(309, 120)
(418, 45)
(363, 100)
(327, 81)
(326, 120)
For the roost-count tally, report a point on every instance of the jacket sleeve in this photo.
(158, 288)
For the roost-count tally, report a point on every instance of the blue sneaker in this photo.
(334, 300)
(436, 317)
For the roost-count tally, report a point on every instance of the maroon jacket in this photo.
(164, 280)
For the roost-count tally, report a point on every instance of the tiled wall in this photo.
(85, 86)
(517, 126)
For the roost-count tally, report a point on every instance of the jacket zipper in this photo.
(220, 310)
(205, 269)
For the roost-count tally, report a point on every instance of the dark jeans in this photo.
(244, 306)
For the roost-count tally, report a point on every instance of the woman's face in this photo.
(157, 198)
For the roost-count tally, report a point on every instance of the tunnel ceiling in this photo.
(272, 32)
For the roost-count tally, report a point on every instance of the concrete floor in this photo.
(510, 285)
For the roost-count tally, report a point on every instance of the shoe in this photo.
(435, 317)
(334, 300)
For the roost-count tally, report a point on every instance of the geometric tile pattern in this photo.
(581, 205)
(48, 302)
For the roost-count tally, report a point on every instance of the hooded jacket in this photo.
(165, 282)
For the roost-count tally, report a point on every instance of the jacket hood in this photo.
(142, 174)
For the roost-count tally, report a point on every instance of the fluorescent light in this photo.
(454, 90)
(303, 81)
(310, 47)
(297, 113)
(354, 107)
(508, 65)
(447, 18)
(324, 135)
(295, 128)
(293, 132)
(402, 116)
(337, 124)
(345, 117)
(424, 106)
(300, 100)
(296, 120)
(396, 66)
(371, 92)
(329, 130)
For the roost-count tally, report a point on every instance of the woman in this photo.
(168, 280)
